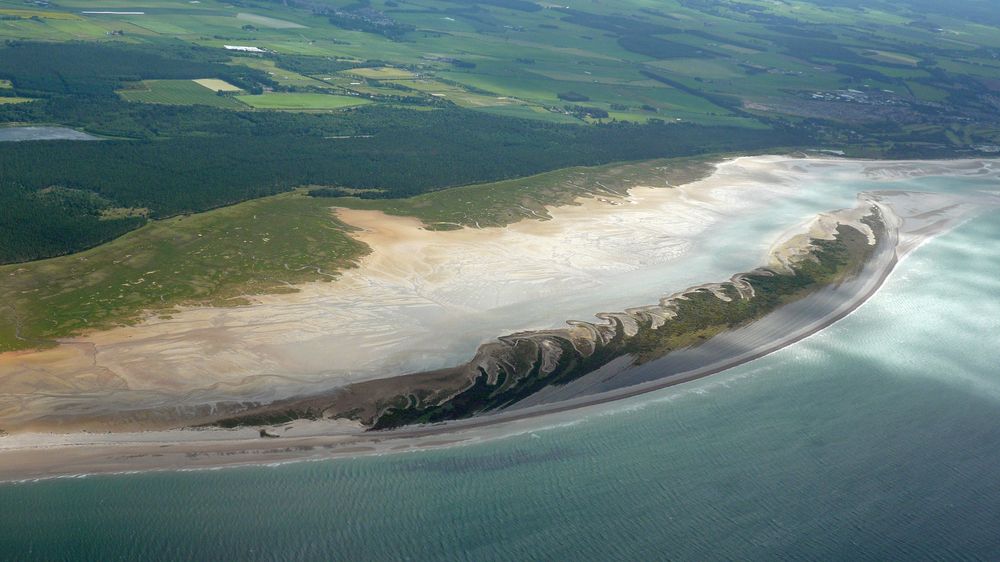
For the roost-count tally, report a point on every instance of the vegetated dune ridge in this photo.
(905, 221)
(417, 290)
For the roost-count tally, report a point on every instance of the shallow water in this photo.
(873, 440)
(16, 134)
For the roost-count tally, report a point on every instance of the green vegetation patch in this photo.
(41, 14)
(506, 202)
(382, 73)
(283, 76)
(266, 21)
(178, 92)
(302, 101)
(38, 224)
(219, 258)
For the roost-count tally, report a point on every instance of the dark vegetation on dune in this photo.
(700, 316)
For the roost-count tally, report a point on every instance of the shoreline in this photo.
(44, 456)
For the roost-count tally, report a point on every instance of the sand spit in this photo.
(421, 300)
(910, 220)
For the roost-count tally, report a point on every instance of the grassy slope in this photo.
(264, 246)
(217, 257)
(506, 202)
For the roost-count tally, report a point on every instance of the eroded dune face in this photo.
(425, 300)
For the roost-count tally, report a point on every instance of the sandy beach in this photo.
(85, 369)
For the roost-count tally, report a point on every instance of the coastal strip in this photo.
(29, 456)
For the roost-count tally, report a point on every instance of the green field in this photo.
(382, 73)
(178, 92)
(218, 257)
(301, 101)
(515, 59)
(283, 76)
(42, 14)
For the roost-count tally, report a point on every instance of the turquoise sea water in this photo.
(876, 439)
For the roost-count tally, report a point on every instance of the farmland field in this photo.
(216, 85)
(382, 73)
(179, 92)
(283, 76)
(517, 61)
(43, 14)
(265, 21)
(304, 101)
